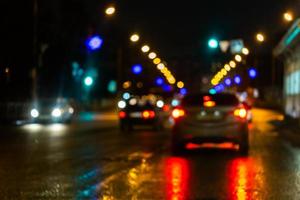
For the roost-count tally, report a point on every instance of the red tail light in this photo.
(177, 113)
(148, 114)
(240, 113)
(122, 114)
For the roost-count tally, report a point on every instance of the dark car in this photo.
(205, 118)
(136, 112)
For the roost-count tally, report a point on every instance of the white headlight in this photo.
(71, 110)
(160, 103)
(56, 112)
(34, 113)
(122, 104)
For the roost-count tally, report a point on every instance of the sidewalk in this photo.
(290, 130)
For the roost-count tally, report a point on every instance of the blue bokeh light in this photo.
(94, 43)
(167, 88)
(183, 91)
(237, 80)
(227, 81)
(159, 81)
(252, 73)
(137, 69)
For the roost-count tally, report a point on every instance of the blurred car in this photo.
(52, 111)
(139, 112)
(205, 118)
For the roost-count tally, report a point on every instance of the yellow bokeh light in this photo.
(238, 58)
(145, 49)
(224, 72)
(260, 37)
(135, 38)
(232, 64)
(152, 55)
(156, 61)
(160, 66)
(288, 16)
(126, 84)
(110, 11)
(180, 84)
(227, 67)
(245, 51)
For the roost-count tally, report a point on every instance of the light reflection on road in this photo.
(52, 129)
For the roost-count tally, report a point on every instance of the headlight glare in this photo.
(34, 113)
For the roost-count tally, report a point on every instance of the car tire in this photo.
(244, 142)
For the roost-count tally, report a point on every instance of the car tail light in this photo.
(122, 114)
(240, 113)
(209, 104)
(148, 114)
(177, 113)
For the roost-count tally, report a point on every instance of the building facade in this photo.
(288, 50)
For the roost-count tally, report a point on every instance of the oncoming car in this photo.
(205, 118)
(51, 111)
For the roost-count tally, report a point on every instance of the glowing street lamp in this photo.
(135, 38)
(180, 84)
(213, 43)
(156, 61)
(145, 49)
(110, 11)
(238, 58)
(260, 37)
(152, 55)
(245, 51)
(232, 64)
(288, 16)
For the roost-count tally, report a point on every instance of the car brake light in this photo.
(177, 113)
(240, 112)
(148, 114)
(122, 114)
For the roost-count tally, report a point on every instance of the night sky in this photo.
(178, 30)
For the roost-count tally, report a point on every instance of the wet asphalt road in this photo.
(91, 160)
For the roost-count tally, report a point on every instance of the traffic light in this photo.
(88, 81)
(213, 43)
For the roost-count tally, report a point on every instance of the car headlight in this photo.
(56, 112)
(122, 104)
(71, 110)
(34, 113)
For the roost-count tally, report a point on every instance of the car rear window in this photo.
(219, 99)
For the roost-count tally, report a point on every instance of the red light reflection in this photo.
(241, 179)
(177, 175)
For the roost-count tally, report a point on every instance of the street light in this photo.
(238, 58)
(88, 81)
(94, 43)
(260, 37)
(135, 38)
(110, 11)
(180, 84)
(232, 64)
(156, 61)
(288, 16)
(145, 49)
(245, 51)
(152, 55)
(213, 43)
